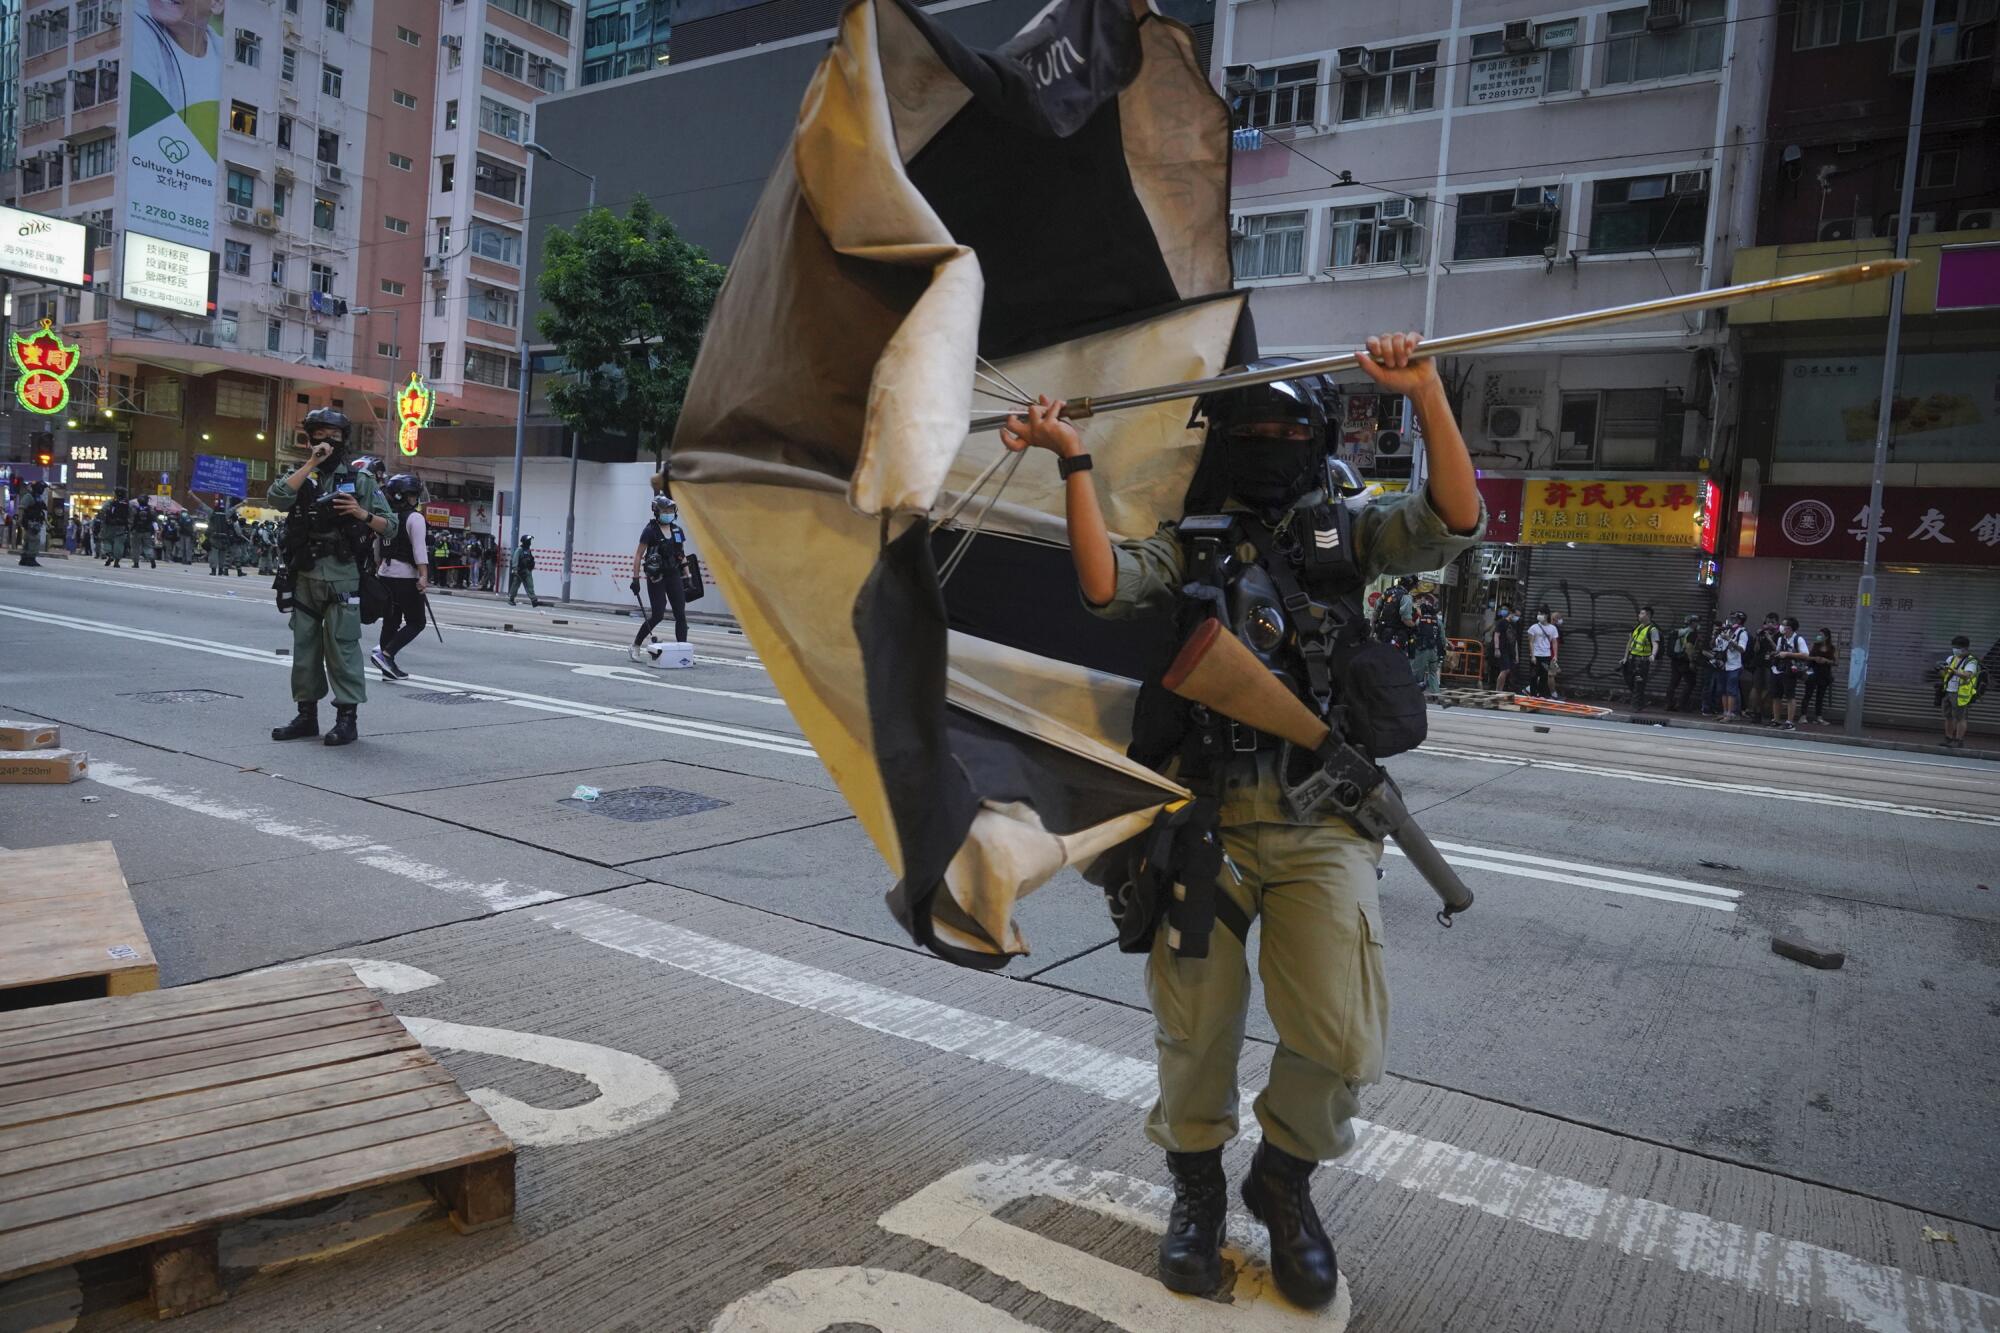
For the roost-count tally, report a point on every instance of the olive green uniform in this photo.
(326, 616)
(1313, 882)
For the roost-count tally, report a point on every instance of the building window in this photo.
(1407, 84)
(1379, 233)
(408, 37)
(249, 47)
(402, 161)
(1631, 435)
(242, 188)
(404, 99)
(1634, 54)
(1287, 95)
(236, 258)
(48, 31)
(329, 147)
(451, 114)
(277, 270)
(72, 307)
(443, 229)
(547, 74)
(323, 278)
(447, 174)
(390, 287)
(156, 460)
(319, 345)
(547, 14)
(509, 122)
(497, 180)
(495, 305)
(285, 132)
(88, 17)
(336, 15)
(330, 80)
(503, 57)
(438, 302)
(95, 157)
(281, 194)
(241, 399)
(1549, 67)
(487, 367)
(389, 351)
(243, 118)
(1830, 22)
(1649, 212)
(401, 226)
(322, 213)
(1936, 170)
(501, 245)
(1272, 245)
(288, 64)
(436, 361)
(1497, 224)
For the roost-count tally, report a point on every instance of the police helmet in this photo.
(118, 494)
(664, 507)
(368, 463)
(404, 488)
(327, 418)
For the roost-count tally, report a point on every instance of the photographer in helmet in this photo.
(332, 515)
(1276, 548)
(406, 573)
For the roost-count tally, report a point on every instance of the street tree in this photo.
(624, 302)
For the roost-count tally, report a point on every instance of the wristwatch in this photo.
(1072, 465)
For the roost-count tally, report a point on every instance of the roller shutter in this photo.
(1598, 590)
(1918, 611)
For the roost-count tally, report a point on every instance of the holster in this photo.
(1168, 873)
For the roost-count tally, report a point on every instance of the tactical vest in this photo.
(399, 547)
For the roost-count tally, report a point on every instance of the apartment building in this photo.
(623, 37)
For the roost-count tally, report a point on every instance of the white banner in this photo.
(164, 274)
(49, 249)
(172, 117)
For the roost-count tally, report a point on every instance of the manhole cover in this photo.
(643, 805)
(182, 696)
(441, 697)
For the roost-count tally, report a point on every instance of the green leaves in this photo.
(624, 301)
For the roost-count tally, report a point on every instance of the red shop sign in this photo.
(1920, 525)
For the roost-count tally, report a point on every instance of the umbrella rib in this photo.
(1026, 397)
(957, 555)
(992, 393)
(967, 495)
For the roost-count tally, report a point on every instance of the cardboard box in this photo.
(30, 736)
(52, 766)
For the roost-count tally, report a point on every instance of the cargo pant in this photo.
(517, 581)
(326, 639)
(31, 542)
(115, 542)
(1320, 957)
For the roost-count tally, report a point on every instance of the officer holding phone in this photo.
(333, 511)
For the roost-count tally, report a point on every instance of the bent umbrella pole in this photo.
(1847, 275)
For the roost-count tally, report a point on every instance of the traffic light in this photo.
(44, 445)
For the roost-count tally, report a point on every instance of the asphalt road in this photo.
(748, 1103)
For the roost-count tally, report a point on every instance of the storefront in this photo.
(1937, 576)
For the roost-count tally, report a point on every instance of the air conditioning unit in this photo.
(1665, 14)
(1974, 219)
(245, 35)
(1536, 198)
(296, 301)
(450, 42)
(1398, 212)
(1350, 60)
(1239, 80)
(283, 171)
(1944, 48)
(239, 214)
(110, 15)
(1518, 35)
(266, 220)
(331, 174)
(83, 76)
(435, 263)
(1847, 229)
(1388, 443)
(1508, 422)
(1688, 182)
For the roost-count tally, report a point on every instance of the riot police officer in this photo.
(117, 530)
(34, 523)
(1264, 480)
(332, 514)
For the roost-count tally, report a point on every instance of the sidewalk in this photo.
(695, 616)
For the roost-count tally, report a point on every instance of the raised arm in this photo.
(1089, 541)
(1453, 491)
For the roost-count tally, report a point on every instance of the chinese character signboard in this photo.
(414, 406)
(220, 476)
(1947, 408)
(1506, 78)
(46, 363)
(1919, 525)
(161, 273)
(48, 249)
(93, 467)
(173, 106)
(1608, 511)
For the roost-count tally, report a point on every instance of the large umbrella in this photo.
(949, 223)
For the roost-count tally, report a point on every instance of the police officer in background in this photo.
(221, 535)
(1312, 879)
(117, 530)
(34, 522)
(333, 513)
(521, 573)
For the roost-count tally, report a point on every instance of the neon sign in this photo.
(46, 363)
(414, 406)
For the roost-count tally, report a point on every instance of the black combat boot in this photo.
(1191, 1251)
(342, 731)
(304, 725)
(1278, 1192)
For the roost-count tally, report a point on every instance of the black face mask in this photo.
(1268, 474)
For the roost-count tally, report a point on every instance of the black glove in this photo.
(635, 587)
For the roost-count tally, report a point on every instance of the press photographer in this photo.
(333, 512)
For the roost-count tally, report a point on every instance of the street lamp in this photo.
(521, 427)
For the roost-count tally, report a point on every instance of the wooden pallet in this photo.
(149, 1120)
(1522, 703)
(71, 930)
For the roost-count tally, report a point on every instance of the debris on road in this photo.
(585, 794)
(1811, 955)
(1934, 1236)
(558, 622)
(87, 800)
(1720, 865)
(1543, 730)
(508, 626)
(282, 652)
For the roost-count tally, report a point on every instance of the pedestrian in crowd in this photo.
(1757, 670)
(1819, 677)
(1788, 658)
(34, 522)
(1544, 649)
(1504, 643)
(1725, 665)
(93, 533)
(521, 573)
(343, 508)
(659, 558)
(1642, 649)
(1684, 658)
(1961, 681)
(406, 573)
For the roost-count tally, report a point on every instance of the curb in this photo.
(1824, 738)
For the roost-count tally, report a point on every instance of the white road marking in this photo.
(1715, 785)
(664, 723)
(1605, 879)
(498, 895)
(638, 675)
(815, 1299)
(1796, 1273)
(956, 1214)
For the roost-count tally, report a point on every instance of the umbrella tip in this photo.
(1882, 268)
